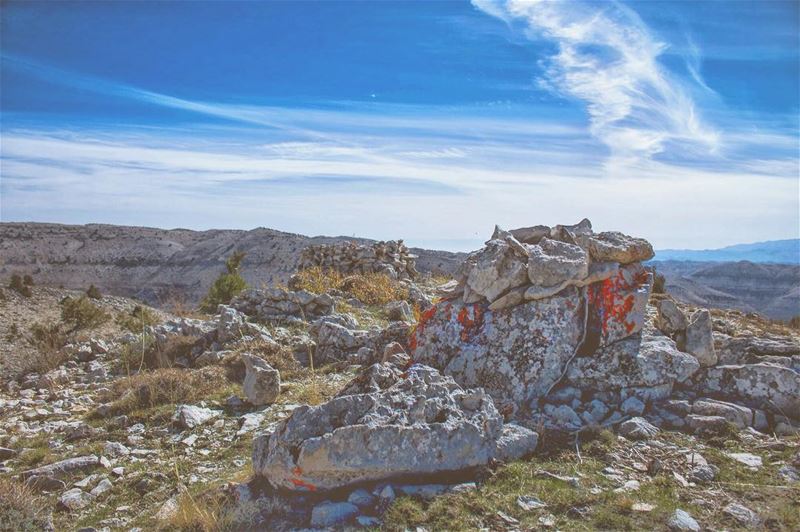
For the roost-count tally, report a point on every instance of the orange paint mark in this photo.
(303, 484)
(610, 304)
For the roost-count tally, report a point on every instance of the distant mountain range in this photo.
(773, 251)
(158, 265)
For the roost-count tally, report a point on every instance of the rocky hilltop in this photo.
(158, 265)
(545, 386)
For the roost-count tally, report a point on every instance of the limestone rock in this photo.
(743, 515)
(617, 306)
(494, 270)
(551, 263)
(699, 338)
(638, 428)
(399, 311)
(670, 319)
(64, 468)
(329, 514)
(368, 437)
(515, 442)
(680, 520)
(639, 361)
(613, 246)
(189, 416)
(767, 386)
(262, 382)
(516, 354)
(740, 416)
(75, 499)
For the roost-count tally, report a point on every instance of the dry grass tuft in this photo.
(369, 288)
(164, 354)
(20, 509)
(278, 356)
(203, 513)
(49, 340)
(150, 389)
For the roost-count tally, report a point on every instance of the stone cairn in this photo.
(391, 257)
(529, 302)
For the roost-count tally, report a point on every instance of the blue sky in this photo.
(433, 121)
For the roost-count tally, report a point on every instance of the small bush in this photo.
(93, 292)
(27, 280)
(369, 288)
(18, 285)
(227, 285)
(20, 509)
(81, 313)
(48, 339)
(163, 355)
(137, 319)
(164, 387)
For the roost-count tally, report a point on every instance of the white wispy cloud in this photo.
(608, 58)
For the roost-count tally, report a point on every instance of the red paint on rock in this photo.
(471, 319)
(610, 303)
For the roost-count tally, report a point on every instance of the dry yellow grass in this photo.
(165, 387)
(20, 509)
(369, 288)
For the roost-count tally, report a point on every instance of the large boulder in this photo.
(641, 361)
(379, 435)
(515, 354)
(765, 386)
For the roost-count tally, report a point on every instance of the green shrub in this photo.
(93, 292)
(18, 285)
(81, 313)
(227, 285)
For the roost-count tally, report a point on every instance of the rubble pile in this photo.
(391, 257)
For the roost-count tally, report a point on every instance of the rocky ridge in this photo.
(349, 412)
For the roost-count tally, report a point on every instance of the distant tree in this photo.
(93, 292)
(227, 285)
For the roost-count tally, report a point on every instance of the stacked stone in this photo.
(554, 323)
(278, 304)
(531, 300)
(391, 257)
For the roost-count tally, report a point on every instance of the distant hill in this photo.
(160, 265)
(773, 251)
(772, 290)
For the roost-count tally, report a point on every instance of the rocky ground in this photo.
(310, 406)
